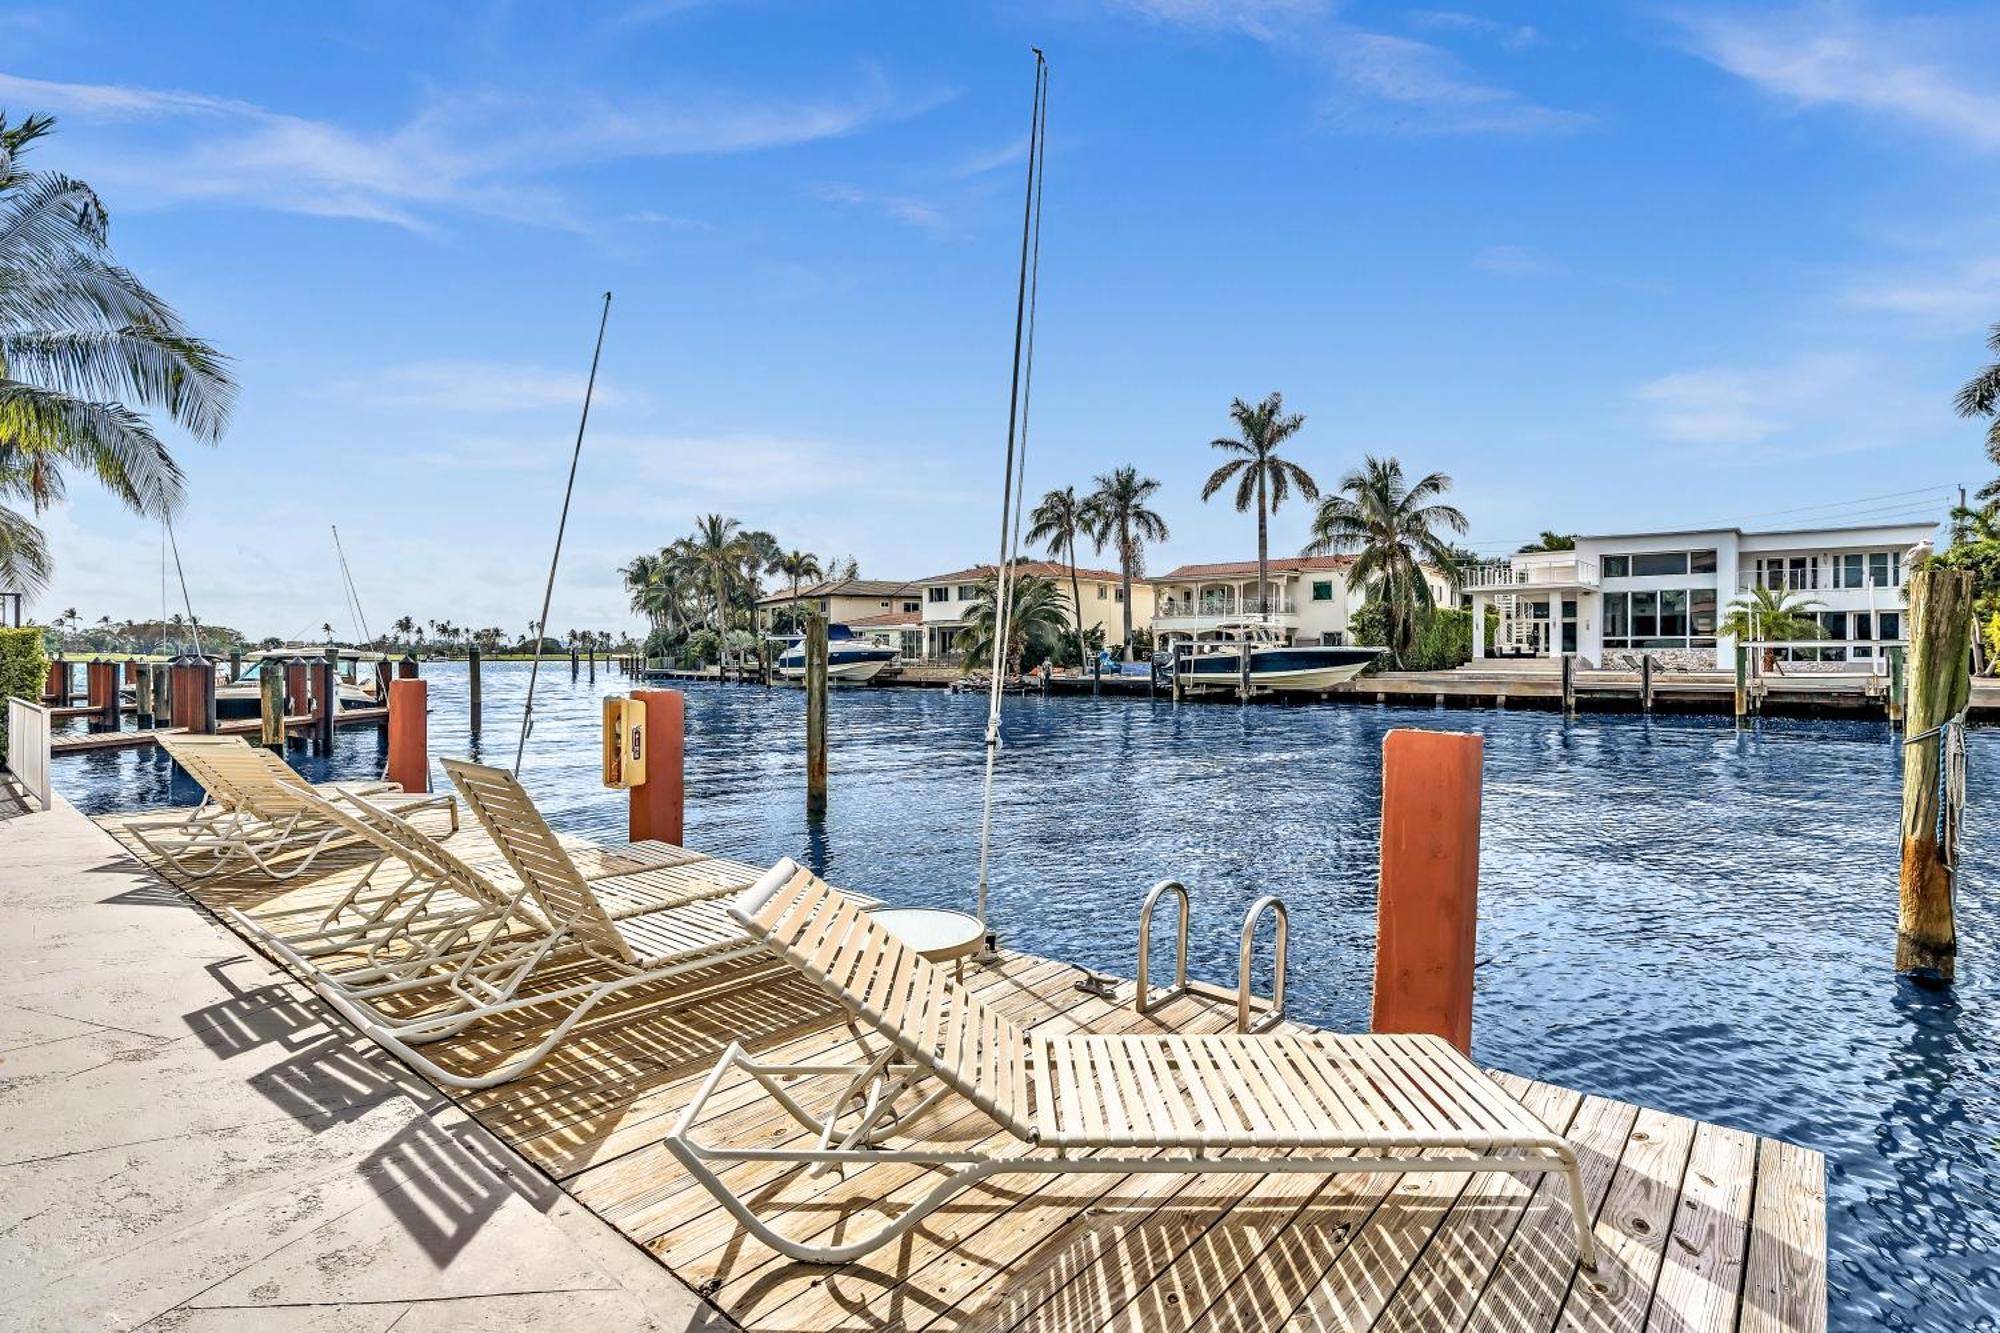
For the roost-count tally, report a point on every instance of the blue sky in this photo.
(1610, 266)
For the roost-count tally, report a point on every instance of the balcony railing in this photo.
(1811, 580)
(1183, 607)
(1551, 571)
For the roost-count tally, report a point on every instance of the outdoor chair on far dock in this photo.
(619, 933)
(1079, 1103)
(251, 811)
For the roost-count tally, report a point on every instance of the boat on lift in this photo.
(354, 681)
(1274, 664)
(849, 657)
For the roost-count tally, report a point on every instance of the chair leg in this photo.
(1586, 1243)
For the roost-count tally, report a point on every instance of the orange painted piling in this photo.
(658, 807)
(100, 680)
(57, 688)
(193, 703)
(409, 734)
(1427, 913)
(298, 689)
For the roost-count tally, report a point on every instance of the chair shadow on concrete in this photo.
(444, 1182)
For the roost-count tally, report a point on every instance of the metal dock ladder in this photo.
(1270, 1011)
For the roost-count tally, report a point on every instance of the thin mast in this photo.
(549, 589)
(1003, 575)
(353, 597)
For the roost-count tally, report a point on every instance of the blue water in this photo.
(1671, 912)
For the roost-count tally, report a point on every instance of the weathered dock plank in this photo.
(1701, 1227)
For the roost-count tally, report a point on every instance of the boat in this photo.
(1274, 664)
(354, 686)
(1107, 665)
(849, 657)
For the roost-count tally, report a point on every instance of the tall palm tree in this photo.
(1036, 615)
(1117, 515)
(405, 627)
(1392, 528)
(1763, 615)
(719, 549)
(1056, 523)
(1981, 398)
(798, 566)
(1262, 478)
(82, 344)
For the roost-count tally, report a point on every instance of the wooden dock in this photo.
(1702, 1227)
(243, 726)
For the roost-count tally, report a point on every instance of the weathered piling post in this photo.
(1940, 687)
(100, 689)
(194, 695)
(298, 687)
(1742, 682)
(142, 694)
(657, 807)
(1898, 686)
(1096, 676)
(1427, 909)
(271, 703)
(163, 692)
(407, 668)
(409, 735)
(591, 653)
(1243, 672)
(816, 716)
(1569, 685)
(472, 694)
(235, 665)
(1646, 683)
(52, 688)
(326, 686)
(575, 667)
(1174, 685)
(385, 672)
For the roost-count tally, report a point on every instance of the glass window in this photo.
(1701, 611)
(1834, 624)
(966, 592)
(1539, 610)
(939, 594)
(1645, 614)
(1102, 592)
(1660, 562)
(1701, 562)
(1569, 608)
(1851, 571)
(1890, 623)
(1883, 568)
(1322, 592)
(1674, 613)
(1861, 628)
(1616, 609)
(1617, 566)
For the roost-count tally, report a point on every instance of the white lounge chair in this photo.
(251, 812)
(559, 918)
(1081, 1103)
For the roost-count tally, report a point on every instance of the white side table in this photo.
(938, 934)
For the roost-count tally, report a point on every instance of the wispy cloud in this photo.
(1515, 261)
(1926, 73)
(1963, 289)
(1813, 405)
(466, 153)
(902, 207)
(1379, 80)
(1513, 36)
(991, 159)
(479, 386)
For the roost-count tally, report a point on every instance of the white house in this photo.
(948, 597)
(1308, 599)
(1618, 597)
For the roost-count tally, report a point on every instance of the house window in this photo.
(1645, 614)
(1617, 566)
(1119, 596)
(1659, 562)
(1889, 625)
(966, 592)
(1617, 612)
(938, 594)
(1701, 611)
(1849, 570)
(1102, 592)
(1884, 568)
(909, 607)
(1701, 562)
(1673, 614)
(1323, 590)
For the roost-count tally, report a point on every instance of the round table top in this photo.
(937, 933)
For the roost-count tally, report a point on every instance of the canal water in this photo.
(1671, 912)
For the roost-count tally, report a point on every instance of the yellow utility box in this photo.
(624, 742)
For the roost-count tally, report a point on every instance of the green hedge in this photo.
(1443, 639)
(24, 670)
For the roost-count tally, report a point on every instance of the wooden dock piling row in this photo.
(1940, 686)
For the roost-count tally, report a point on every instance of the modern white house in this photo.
(1308, 599)
(1619, 597)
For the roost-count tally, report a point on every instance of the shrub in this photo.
(1443, 639)
(24, 670)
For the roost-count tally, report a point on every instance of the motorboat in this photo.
(1274, 664)
(354, 681)
(849, 657)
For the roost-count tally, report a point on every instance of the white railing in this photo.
(1550, 571)
(1806, 580)
(28, 748)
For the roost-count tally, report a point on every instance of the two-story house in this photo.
(886, 610)
(1618, 597)
(1308, 599)
(948, 597)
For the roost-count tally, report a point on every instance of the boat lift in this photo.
(1269, 1011)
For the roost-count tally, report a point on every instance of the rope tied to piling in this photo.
(1950, 736)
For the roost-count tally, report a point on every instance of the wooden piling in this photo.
(1646, 683)
(235, 665)
(1243, 672)
(409, 735)
(142, 694)
(56, 688)
(298, 686)
(657, 807)
(816, 716)
(591, 654)
(407, 668)
(1427, 910)
(271, 703)
(1898, 686)
(326, 680)
(1742, 683)
(1569, 684)
(575, 666)
(163, 691)
(1940, 620)
(1174, 686)
(472, 693)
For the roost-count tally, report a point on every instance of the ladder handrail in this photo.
(1142, 1001)
(1273, 903)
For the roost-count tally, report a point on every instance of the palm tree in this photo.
(1981, 398)
(1392, 528)
(1550, 541)
(798, 566)
(327, 629)
(80, 339)
(1056, 523)
(1766, 614)
(1116, 513)
(1036, 614)
(718, 547)
(1262, 478)
(405, 628)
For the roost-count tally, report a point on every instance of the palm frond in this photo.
(40, 425)
(138, 363)
(25, 565)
